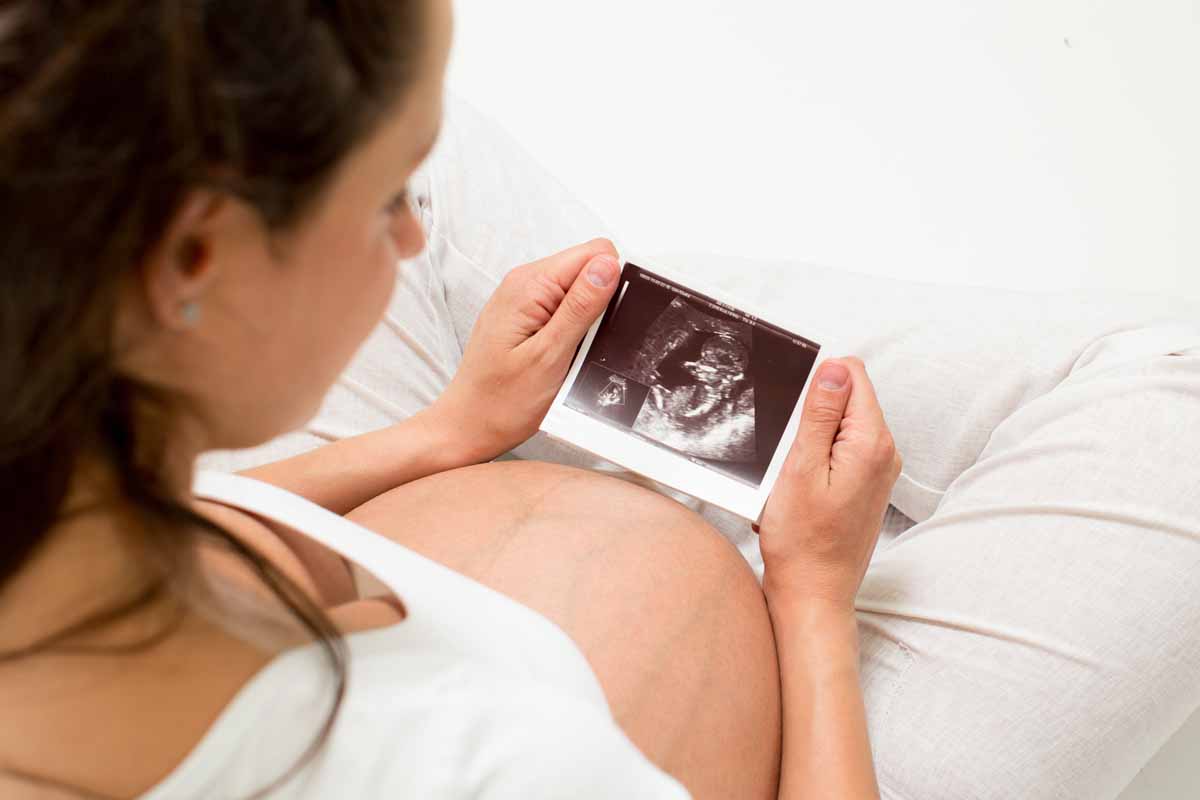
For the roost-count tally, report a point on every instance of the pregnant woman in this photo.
(215, 212)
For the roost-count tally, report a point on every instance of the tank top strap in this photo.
(346, 538)
(446, 605)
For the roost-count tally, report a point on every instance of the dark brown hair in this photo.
(111, 111)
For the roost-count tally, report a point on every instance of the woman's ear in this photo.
(177, 273)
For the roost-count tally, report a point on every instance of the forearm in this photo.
(826, 752)
(345, 474)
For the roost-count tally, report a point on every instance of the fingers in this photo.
(863, 411)
(822, 416)
(564, 267)
(852, 412)
(863, 403)
(584, 301)
(590, 274)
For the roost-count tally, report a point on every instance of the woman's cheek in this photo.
(407, 236)
(384, 274)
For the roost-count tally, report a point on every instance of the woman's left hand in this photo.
(522, 345)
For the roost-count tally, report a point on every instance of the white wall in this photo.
(1016, 143)
(1022, 143)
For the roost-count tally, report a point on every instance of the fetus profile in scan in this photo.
(701, 393)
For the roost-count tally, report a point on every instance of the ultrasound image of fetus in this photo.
(701, 399)
(613, 393)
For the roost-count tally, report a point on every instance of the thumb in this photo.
(822, 415)
(583, 303)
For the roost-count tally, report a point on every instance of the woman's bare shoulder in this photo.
(257, 534)
(262, 536)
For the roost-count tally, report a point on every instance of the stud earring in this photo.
(191, 312)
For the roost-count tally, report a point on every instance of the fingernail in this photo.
(833, 376)
(602, 271)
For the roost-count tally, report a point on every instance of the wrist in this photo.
(454, 438)
(810, 589)
(809, 613)
(819, 639)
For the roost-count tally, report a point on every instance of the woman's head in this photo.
(240, 158)
(284, 303)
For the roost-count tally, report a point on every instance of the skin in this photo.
(817, 534)
(681, 636)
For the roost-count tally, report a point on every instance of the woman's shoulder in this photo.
(260, 536)
(263, 537)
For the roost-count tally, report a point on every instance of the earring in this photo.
(191, 312)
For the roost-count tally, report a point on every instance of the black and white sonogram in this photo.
(614, 397)
(701, 399)
(693, 375)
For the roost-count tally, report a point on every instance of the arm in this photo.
(817, 533)
(343, 475)
(512, 367)
(826, 752)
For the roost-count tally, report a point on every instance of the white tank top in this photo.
(471, 695)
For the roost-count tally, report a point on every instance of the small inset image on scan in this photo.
(613, 393)
(605, 394)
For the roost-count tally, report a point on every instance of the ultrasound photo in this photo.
(692, 375)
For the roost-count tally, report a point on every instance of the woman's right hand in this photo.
(820, 525)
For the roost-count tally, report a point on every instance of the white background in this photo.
(1017, 143)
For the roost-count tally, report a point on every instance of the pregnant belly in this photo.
(545, 534)
(666, 611)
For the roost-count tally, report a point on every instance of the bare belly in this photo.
(666, 610)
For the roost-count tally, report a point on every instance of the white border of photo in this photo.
(660, 464)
